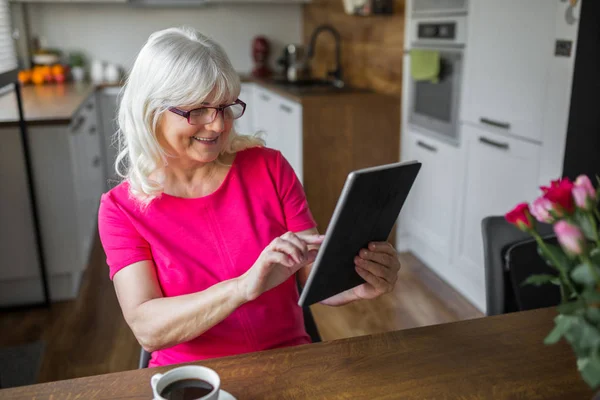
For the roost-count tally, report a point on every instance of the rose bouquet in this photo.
(572, 209)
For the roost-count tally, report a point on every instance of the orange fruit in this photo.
(47, 72)
(24, 76)
(57, 69)
(38, 77)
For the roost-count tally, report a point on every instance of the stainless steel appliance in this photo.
(433, 108)
(293, 62)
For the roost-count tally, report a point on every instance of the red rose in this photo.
(559, 193)
(520, 217)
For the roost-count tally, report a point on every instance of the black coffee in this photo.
(186, 389)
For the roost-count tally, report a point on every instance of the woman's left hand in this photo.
(378, 265)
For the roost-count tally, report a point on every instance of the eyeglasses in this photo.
(206, 115)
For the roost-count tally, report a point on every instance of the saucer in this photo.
(224, 395)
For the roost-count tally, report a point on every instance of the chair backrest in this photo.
(498, 236)
(523, 260)
(144, 358)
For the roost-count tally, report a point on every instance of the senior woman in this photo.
(209, 230)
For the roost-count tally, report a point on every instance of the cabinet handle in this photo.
(285, 108)
(497, 124)
(490, 142)
(265, 97)
(96, 161)
(426, 146)
(78, 123)
(92, 130)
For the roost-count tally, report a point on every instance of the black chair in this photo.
(522, 261)
(498, 236)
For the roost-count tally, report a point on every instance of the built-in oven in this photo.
(433, 107)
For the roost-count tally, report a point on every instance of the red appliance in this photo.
(260, 54)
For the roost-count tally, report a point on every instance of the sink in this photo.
(304, 83)
(310, 86)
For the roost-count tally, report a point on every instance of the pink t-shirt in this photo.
(196, 243)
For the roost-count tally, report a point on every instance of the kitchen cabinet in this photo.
(107, 100)
(324, 135)
(17, 240)
(500, 172)
(280, 120)
(88, 166)
(245, 124)
(68, 176)
(431, 206)
(509, 53)
(288, 137)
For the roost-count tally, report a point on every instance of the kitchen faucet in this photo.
(337, 72)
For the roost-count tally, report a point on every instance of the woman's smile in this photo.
(206, 141)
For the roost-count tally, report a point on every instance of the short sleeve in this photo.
(122, 243)
(295, 206)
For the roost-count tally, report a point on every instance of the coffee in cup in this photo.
(186, 383)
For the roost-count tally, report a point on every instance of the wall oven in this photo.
(433, 108)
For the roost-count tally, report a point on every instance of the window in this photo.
(8, 58)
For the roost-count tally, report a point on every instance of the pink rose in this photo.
(584, 193)
(570, 238)
(541, 208)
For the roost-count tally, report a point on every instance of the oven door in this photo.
(434, 107)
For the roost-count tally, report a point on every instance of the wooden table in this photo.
(487, 358)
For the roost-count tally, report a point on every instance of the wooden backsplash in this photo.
(371, 47)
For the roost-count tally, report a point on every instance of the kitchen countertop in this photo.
(56, 104)
(47, 104)
(300, 93)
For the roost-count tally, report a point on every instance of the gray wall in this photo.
(115, 32)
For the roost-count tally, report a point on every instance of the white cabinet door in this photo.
(281, 122)
(500, 173)
(264, 113)
(431, 203)
(107, 100)
(510, 45)
(88, 172)
(289, 134)
(245, 124)
(17, 235)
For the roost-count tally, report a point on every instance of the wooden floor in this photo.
(89, 336)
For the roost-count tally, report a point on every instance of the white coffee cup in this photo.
(160, 381)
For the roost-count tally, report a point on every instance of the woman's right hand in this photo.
(282, 258)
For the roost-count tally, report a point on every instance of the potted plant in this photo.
(572, 209)
(77, 63)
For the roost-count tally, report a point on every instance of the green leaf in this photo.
(590, 336)
(595, 256)
(582, 219)
(562, 323)
(571, 307)
(591, 296)
(593, 314)
(556, 257)
(582, 274)
(541, 279)
(589, 368)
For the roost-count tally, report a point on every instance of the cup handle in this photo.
(154, 380)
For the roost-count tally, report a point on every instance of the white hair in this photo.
(176, 67)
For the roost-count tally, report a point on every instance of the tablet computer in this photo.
(366, 211)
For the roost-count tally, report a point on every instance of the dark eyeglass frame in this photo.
(220, 109)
